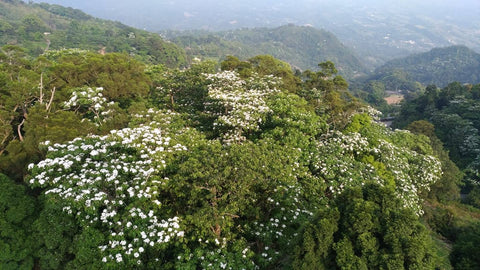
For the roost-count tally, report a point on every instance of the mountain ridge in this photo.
(38, 27)
(438, 66)
(301, 46)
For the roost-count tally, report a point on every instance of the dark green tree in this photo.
(447, 188)
(244, 68)
(18, 210)
(375, 231)
(328, 93)
(465, 254)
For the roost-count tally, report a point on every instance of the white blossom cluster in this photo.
(166, 120)
(287, 213)
(346, 160)
(244, 102)
(93, 100)
(413, 172)
(112, 182)
(217, 257)
(57, 53)
(372, 112)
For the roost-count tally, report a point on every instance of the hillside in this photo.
(38, 27)
(303, 47)
(438, 66)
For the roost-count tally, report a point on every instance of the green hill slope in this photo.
(438, 66)
(302, 47)
(39, 27)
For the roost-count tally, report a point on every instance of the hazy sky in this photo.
(215, 14)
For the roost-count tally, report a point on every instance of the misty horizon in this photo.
(222, 15)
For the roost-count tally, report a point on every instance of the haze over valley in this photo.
(377, 30)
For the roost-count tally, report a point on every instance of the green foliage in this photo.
(465, 254)
(447, 188)
(268, 65)
(17, 212)
(373, 92)
(183, 91)
(454, 125)
(229, 201)
(327, 93)
(122, 77)
(358, 123)
(473, 197)
(40, 127)
(454, 113)
(263, 65)
(35, 92)
(292, 121)
(54, 231)
(368, 229)
(315, 251)
(232, 63)
(394, 79)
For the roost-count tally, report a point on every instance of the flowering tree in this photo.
(243, 103)
(377, 154)
(111, 183)
(89, 100)
(159, 194)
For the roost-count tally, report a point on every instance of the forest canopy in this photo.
(114, 163)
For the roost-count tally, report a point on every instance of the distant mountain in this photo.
(40, 27)
(379, 30)
(439, 66)
(301, 46)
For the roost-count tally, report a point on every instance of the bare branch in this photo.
(40, 99)
(19, 130)
(49, 104)
(231, 215)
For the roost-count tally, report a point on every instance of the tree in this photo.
(239, 105)
(232, 63)
(184, 91)
(447, 187)
(18, 210)
(263, 65)
(238, 200)
(376, 93)
(397, 159)
(122, 77)
(369, 229)
(269, 65)
(465, 255)
(327, 92)
(108, 188)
